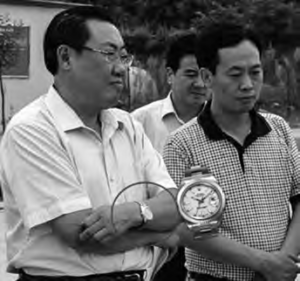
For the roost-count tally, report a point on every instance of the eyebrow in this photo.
(191, 70)
(114, 46)
(238, 68)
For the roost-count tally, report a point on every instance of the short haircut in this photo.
(219, 35)
(69, 28)
(181, 45)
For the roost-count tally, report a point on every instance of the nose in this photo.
(119, 69)
(246, 83)
(198, 82)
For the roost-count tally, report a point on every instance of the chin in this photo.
(245, 109)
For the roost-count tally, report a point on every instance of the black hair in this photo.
(219, 35)
(181, 44)
(69, 28)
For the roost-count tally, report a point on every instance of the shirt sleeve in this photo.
(289, 139)
(40, 176)
(295, 161)
(176, 159)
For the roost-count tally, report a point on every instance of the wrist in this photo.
(145, 213)
(262, 262)
(132, 212)
(139, 220)
(289, 251)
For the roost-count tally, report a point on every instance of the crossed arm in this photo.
(93, 231)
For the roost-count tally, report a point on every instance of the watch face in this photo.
(201, 202)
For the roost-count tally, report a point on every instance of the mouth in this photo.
(118, 84)
(247, 99)
(199, 94)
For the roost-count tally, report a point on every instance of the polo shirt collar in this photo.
(259, 126)
(68, 119)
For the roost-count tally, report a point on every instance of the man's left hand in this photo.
(100, 227)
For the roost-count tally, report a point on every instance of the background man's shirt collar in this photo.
(168, 107)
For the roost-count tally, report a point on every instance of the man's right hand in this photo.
(278, 266)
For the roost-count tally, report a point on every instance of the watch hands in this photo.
(201, 200)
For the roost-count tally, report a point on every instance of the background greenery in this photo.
(148, 25)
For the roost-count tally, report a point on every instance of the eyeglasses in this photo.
(111, 56)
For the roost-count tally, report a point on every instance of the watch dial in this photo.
(201, 202)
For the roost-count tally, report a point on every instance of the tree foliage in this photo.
(148, 24)
(277, 21)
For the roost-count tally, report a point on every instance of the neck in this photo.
(185, 112)
(236, 125)
(88, 115)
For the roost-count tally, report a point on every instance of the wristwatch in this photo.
(201, 202)
(145, 211)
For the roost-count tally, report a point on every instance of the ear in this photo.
(170, 75)
(63, 57)
(206, 76)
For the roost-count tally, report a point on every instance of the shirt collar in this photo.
(68, 119)
(168, 107)
(259, 126)
(63, 114)
(111, 119)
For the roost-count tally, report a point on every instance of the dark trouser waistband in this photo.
(205, 277)
(137, 275)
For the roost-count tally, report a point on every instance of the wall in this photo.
(21, 91)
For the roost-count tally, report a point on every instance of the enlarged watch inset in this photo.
(201, 202)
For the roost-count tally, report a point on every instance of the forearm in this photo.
(224, 250)
(165, 212)
(291, 244)
(123, 243)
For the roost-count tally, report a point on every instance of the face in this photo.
(238, 79)
(201, 202)
(98, 82)
(186, 84)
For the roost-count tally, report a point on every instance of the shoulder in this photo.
(150, 109)
(33, 123)
(29, 113)
(187, 133)
(279, 126)
(275, 120)
(34, 114)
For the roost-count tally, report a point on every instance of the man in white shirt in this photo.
(160, 118)
(186, 97)
(65, 158)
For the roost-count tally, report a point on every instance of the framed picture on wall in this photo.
(19, 52)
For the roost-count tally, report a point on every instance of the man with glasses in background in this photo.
(68, 155)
